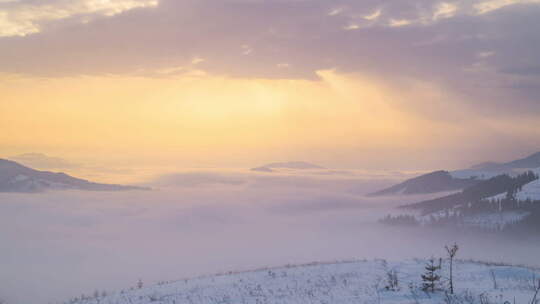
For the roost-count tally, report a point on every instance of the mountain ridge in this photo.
(436, 181)
(490, 169)
(440, 181)
(15, 177)
(296, 165)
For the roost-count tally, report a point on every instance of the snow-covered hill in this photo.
(490, 169)
(15, 177)
(442, 181)
(294, 165)
(437, 181)
(338, 283)
(530, 191)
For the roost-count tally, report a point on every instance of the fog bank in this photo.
(61, 244)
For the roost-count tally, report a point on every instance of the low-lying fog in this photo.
(57, 245)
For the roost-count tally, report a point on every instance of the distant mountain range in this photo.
(501, 197)
(484, 189)
(298, 165)
(439, 181)
(491, 169)
(436, 181)
(503, 204)
(15, 177)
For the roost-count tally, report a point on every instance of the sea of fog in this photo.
(60, 244)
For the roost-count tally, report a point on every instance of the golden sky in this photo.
(200, 119)
(361, 85)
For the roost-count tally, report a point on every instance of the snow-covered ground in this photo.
(338, 283)
(529, 191)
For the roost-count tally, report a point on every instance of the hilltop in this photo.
(339, 283)
(15, 177)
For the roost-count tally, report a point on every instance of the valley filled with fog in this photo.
(59, 244)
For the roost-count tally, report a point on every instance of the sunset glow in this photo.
(269, 151)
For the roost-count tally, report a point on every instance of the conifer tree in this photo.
(430, 278)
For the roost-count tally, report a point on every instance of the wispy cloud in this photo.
(399, 22)
(492, 5)
(485, 54)
(246, 49)
(351, 26)
(373, 16)
(197, 60)
(335, 11)
(20, 19)
(445, 10)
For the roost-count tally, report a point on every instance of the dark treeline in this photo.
(488, 188)
(400, 220)
(457, 210)
(460, 217)
(457, 218)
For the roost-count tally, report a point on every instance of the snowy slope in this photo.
(528, 191)
(436, 181)
(337, 283)
(15, 177)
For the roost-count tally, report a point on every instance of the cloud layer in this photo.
(18, 18)
(62, 244)
(470, 65)
(445, 41)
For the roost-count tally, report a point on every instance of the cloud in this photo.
(532, 70)
(246, 49)
(373, 16)
(485, 54)
(435, 41)
(335, 12)
(22, 19)
(399, 22)
(81, 241)
(492, 5)
(191, 179)
(197, 60)
(445, 10)
(105, 240)
(342, 181)
(351, 26)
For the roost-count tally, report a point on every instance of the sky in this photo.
(410, 84)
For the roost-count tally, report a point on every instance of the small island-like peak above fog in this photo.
(15, 177)
(296, 165)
